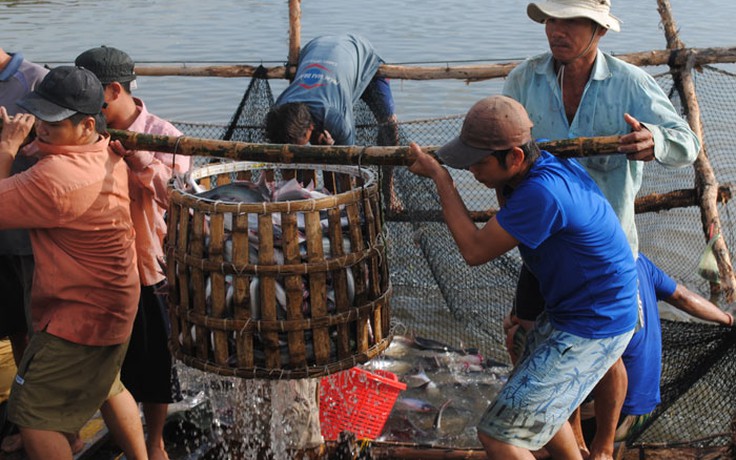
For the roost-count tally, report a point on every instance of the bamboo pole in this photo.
(705, 181)
(654, 202)
(295, 31)
(470, 73)
(329, 154)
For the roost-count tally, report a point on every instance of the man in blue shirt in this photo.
(575, 90)
(643, 356)
(570, 238)
(18, 77)
(334, 72)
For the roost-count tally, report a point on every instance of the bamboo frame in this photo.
(468, 73)
(706, 183)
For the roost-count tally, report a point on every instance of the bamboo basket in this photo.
(249, 301)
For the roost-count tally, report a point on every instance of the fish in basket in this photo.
(277, 271)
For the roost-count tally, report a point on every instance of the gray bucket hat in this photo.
(595, 10)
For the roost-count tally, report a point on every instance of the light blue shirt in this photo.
(615, 87)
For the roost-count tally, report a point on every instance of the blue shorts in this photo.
(556, 373)
(379, 99)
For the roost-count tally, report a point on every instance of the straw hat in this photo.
(595, 10)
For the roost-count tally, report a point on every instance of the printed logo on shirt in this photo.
(314, 76)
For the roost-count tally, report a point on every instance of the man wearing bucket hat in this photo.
(75, 203)
(147, 370)
(569, 237)
(576, 90)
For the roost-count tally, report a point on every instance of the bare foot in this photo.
(12, 443)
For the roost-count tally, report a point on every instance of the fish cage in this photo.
(276, 285)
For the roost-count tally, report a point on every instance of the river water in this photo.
(434, 32)
(431, 32)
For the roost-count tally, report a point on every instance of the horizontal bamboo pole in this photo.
(702, 56)
(333, 154)
(654, 202)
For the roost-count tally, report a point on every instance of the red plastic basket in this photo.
(358, 401)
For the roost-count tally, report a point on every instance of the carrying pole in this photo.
(329, 154)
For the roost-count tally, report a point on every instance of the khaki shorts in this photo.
(60, 384)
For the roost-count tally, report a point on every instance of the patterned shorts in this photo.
(556, 373)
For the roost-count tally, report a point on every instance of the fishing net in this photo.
(437, 295)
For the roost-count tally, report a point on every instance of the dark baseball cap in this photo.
(492, 124)
(108, 63)
(65, 91)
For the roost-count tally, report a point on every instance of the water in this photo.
(252, 32)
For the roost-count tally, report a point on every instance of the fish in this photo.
(452, 421)
(430, 344)
(290, 190)
(255, 306)
(418, 380)
(236, 192)
(413, 405)
(397, 366)
(438, 418)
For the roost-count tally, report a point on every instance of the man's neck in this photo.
(572, 78)
(126, 114)
(580, 69)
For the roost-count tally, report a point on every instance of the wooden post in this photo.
(705, 180)
(295, 32)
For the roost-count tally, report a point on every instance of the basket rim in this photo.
(368, 187)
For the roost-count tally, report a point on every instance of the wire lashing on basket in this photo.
(360, 171)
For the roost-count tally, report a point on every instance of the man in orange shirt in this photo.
(147, 370)
(76, 204)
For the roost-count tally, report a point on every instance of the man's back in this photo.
(570, 239)
(332, 74)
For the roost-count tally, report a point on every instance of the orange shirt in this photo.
(75, 203)
(150, 173)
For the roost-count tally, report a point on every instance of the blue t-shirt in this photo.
(572, 241)
(643, 356)
(332, 74)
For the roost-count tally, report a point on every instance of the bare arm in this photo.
(697, 306)
(477, 245)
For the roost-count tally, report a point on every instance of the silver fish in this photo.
(236, 192)
(438, 418)
(418, 380)
(413, 405)
(255, 305)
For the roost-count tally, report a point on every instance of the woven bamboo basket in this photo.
(279, 289)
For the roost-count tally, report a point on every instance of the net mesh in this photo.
(437, 295)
